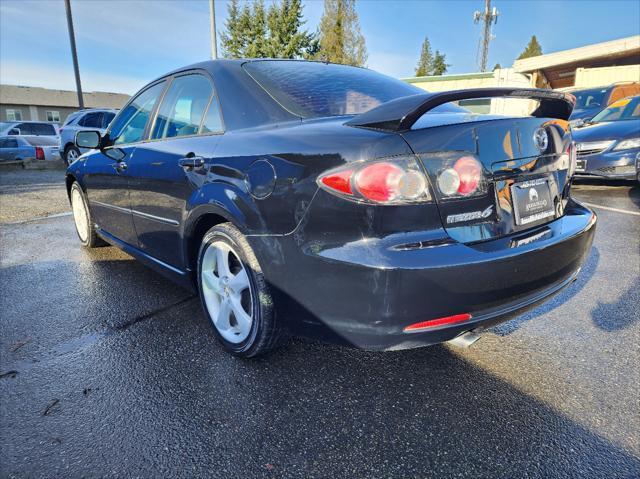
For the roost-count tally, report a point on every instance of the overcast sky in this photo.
(123, 44)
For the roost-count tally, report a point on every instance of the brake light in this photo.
(463, 179)
(39, 153)
(434, 323)
(393, 181)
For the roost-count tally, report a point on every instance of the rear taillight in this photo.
(392, 181)
(463, 178)
(39, 153)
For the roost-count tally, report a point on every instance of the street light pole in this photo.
(212, 26)
(74, 54)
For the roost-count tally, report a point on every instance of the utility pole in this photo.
(212, 26)
(488, 17)
(74, 54)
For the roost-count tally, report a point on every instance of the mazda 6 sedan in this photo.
(333, 202)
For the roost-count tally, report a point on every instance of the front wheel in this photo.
(82, 218)
(234, 294)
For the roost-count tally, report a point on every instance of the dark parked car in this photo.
(592, 100)
(334, 202)
(609, 146)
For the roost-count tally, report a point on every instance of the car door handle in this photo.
(120, 166)
(191, 162)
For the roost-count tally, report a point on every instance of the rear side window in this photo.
(25, 128)
(129, 125)
(42, 129)
(91, 120)
(107, 117)
(318, 89)
(183, 107)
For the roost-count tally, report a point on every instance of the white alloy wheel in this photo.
(80, 215)
(227, 292)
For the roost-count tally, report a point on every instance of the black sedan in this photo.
(609, 145)
(334, 202)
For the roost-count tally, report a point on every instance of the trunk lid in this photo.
(526, 179)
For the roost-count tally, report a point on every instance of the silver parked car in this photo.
(92, 119)
(16, 148)
(29, 128)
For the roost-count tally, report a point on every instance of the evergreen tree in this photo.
(232, 37)
(340, 38)
(533, 49)
(439, 64)
(255, 32)
(497, 66)
(426, 59)
(287, 39)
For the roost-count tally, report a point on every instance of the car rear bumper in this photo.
(364, 293)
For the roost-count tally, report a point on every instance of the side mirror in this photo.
(88, 139)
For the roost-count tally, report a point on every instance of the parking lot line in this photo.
(617, 210)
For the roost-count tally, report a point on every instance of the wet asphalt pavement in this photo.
(108, 369)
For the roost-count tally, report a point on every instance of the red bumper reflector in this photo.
(433, 323)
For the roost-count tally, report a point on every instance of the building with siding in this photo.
(23, 103)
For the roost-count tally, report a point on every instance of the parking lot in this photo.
(108, 369)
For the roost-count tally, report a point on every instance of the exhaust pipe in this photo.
(464, 340)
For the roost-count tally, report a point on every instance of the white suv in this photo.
(93, 119)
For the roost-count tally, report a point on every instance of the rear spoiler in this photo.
(400, 114)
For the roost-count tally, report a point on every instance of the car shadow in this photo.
(621, 313)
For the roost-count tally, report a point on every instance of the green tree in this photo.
(339, 35)
(533, 49)
(255, 32)
(287, 39)
(440, 64)
(425, 62)
(232, 37)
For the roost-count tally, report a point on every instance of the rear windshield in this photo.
(589, 98)
(42, 141)
(313, 90)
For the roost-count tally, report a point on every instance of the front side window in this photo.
(183, 107)
(14, 115)
(53, 115)
(129, 125)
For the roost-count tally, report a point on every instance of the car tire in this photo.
(85, 228)
(71, 153)
(231, 288)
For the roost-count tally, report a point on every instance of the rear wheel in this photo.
(82, 218)
(71, 154)
(234, 294)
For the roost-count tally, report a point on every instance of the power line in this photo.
(488, 17)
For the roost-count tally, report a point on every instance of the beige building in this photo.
(594, 65)
(501, 77)
(32, 103)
